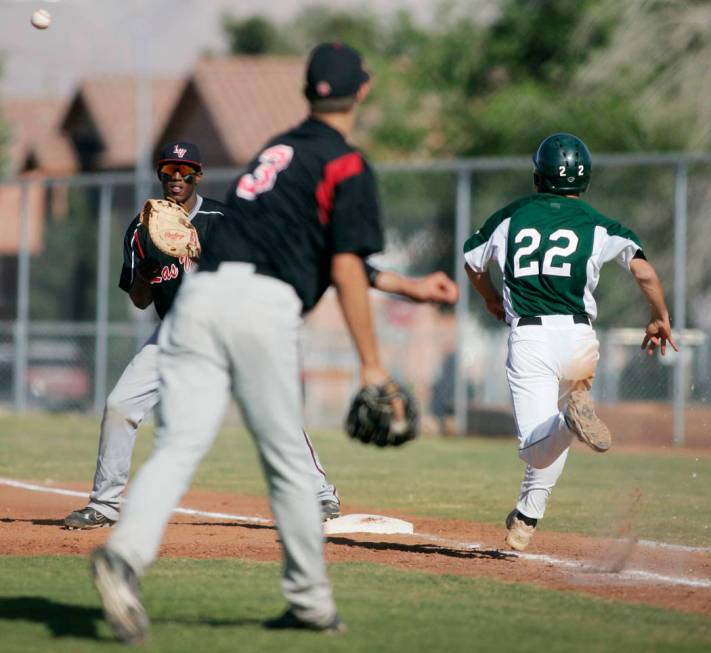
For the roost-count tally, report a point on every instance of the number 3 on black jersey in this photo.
(271, 162)
(531, 239)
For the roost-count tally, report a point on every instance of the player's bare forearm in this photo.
(658, 331)
(482, 283)
(436, 287)
(648, 280)
(349, 278)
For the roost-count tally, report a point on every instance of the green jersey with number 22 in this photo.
(550, 249)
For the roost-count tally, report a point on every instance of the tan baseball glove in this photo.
(170, 229)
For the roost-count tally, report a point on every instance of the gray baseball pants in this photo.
(133, 397)
(232, 333)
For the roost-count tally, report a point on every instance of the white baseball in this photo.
(41, 19)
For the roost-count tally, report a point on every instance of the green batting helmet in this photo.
(563, 165)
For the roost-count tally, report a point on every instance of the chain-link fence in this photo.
(67, 330)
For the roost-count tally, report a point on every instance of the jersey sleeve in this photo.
(619, 244)
(355, 215)
(134, 247)
(483, 245)
(371, 272)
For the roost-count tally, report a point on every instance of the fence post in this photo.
(21, 332)
(462, 227)
(102, 296)
(679, 317)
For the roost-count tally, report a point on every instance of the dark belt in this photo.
(580, 318)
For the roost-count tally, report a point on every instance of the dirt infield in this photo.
(676, 578)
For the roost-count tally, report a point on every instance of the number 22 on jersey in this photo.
(531, 240)
(271, 162)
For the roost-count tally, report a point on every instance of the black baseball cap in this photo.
(334, 70)
(181, 152)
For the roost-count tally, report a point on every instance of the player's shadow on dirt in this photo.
(62, 619)
(268, 527)
(36, 522)
(429, 549)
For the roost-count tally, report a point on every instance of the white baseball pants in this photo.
(544, 364)
(232, 333)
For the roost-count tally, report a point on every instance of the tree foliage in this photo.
(252, 36)
(618, 74)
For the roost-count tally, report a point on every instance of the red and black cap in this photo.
(181, 152)
(334, 70)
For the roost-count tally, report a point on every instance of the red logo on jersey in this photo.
(271, 162)
(186, 262)
(172, 271)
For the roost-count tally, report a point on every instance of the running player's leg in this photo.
(532, 370)
(133, 397)
(537, 485)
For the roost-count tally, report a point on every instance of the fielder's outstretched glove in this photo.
(170, 229)
(370, 418)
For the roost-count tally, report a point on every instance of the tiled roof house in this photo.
(231, 106)
(36, 140)
(101, 119)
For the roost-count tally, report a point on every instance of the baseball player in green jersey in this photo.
(550, 247)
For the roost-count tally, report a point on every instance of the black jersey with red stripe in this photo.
(307, 196)
(138, 246)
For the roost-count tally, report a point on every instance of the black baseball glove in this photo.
(370, 418)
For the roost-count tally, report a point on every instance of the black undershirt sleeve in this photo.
(371, 272)
(131, 258)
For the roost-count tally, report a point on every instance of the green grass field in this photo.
(48, 604)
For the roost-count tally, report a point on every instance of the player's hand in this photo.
(436, 287)
(148, 269)
(496, 308)
(377, 375)
(657, 334)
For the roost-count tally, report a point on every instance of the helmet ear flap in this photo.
(541, 184)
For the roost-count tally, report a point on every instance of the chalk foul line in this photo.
(32, 487)
(626, 574)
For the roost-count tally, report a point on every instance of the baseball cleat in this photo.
(330, 509)
(118, 587)
(520, 533)
(581, 419)
(288, 620)
(86, 519)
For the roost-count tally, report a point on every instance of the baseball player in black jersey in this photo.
(151, 277)
(307, 216)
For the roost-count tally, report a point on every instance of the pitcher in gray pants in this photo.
(306, 215)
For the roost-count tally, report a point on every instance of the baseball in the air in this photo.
(41, 19)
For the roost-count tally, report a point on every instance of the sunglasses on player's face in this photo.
(167, 172)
